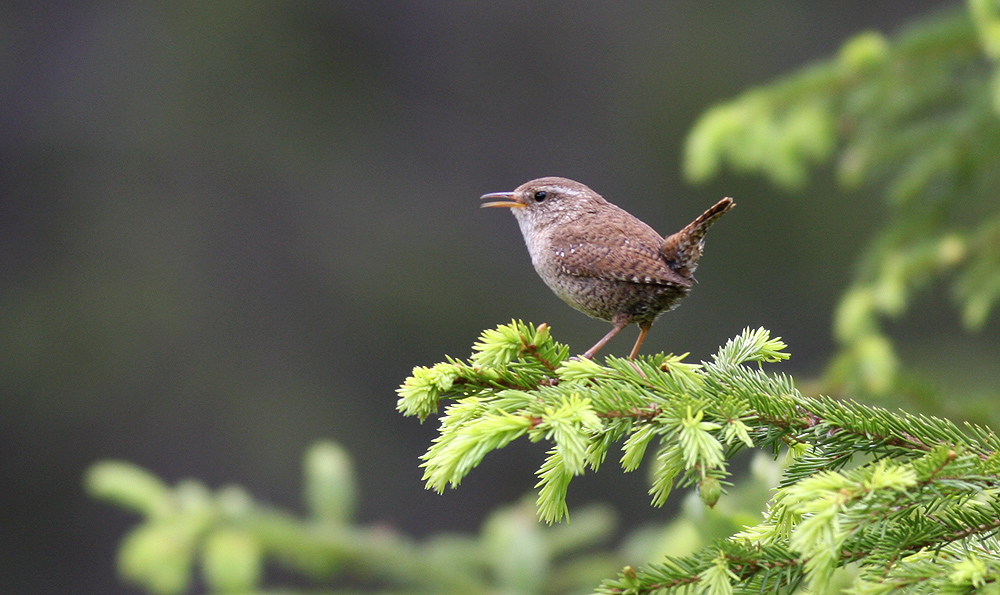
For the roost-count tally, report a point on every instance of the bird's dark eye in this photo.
(541, 195)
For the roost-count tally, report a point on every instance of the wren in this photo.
(602, 260)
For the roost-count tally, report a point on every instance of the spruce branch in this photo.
(865, 486)
(915, 116)
(228, 537)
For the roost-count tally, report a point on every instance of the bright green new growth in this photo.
(519, 382)
(885, 492)
(918, 116)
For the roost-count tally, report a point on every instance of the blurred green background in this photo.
(228, 229)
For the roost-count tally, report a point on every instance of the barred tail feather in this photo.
(683, 249)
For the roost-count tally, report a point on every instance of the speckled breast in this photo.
(604, 298)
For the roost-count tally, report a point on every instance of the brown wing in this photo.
(618, 247)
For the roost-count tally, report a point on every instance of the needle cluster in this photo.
(911, 501)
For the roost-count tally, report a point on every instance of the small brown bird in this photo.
(600, 259)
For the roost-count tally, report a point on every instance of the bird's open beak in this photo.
(506, 199)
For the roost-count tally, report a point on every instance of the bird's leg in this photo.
(643, 329)
(619, 322)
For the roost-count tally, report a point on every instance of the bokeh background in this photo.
(229, 229)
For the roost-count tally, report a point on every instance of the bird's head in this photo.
(545, 201)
